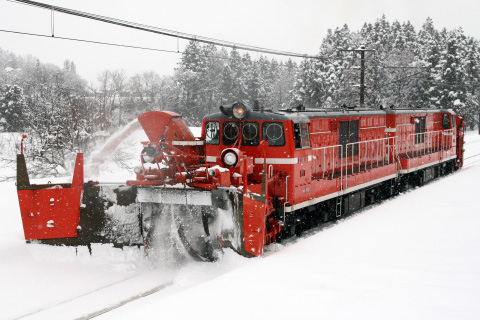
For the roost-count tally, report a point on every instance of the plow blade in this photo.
(194, 222)
(203, 221)
(49, 210)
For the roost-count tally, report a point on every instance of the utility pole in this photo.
(362, 71)
(362, 76)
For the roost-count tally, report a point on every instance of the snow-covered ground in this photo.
(413, 257)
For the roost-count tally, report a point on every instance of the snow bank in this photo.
(413, 257)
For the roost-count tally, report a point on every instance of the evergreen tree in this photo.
(192, 74)
(227, 86)
(12, 108)
(452, 93)
(256, 88)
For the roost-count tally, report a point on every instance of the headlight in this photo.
(230, 157)
(239, 111)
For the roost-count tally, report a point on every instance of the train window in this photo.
(230, 132)
(250, 134)
(302, 138)
(453, 121)
(348, 138)
(420, 123)
(212, 132)
(446, 121)
(305, 135)
(272, 132)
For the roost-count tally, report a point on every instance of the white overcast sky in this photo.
(297, 26)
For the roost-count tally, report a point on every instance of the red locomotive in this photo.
(254, 177)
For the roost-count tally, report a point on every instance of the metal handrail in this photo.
(383, 148)
(428, 142)
(370, 152)
(324, 152)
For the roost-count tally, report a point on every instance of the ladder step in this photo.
(338, 208)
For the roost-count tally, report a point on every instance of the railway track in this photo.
(124, 302)
(473, 159)
(101, 300)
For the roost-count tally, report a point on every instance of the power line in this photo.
(390, 83)
(402, 67)
(217, 56)
(456, 84)
(166, 32)
(88, 41)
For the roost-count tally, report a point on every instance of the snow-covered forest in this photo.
(419, 69)
(64, 114)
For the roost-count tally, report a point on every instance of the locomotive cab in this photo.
(238, 135)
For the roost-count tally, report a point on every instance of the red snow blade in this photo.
(165, 124)
(253, 225)
(49, 210)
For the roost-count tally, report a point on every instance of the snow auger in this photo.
(177, 199)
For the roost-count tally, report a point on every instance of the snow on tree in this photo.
(12, 108)
(430, 68)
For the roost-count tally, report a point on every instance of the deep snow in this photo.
(413, 257)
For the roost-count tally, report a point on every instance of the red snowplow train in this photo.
(254, 177)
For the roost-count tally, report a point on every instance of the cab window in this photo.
(230, 132)
(272, 132)
(446, 121)
(248, 131)
(212, 132)
(302, 138)
(250, 134)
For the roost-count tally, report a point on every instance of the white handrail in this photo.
(381, 151)
(385, 150)
(419, 144)
(323, 151)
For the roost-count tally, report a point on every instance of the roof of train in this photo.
(338, 113)
(303, 115)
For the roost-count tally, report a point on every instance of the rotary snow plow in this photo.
(178, 200)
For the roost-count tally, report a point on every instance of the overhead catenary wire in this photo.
(88, 41)
(166, 32)
(454, 84)
(180, 35)
(391, 82)
(217, 56)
